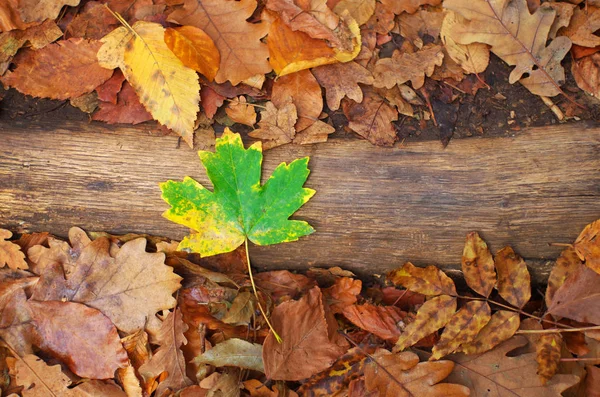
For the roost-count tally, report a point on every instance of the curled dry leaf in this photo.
(379, 320)
(429, 281)
(317, 132)
(463, 327)
(401, 375)
(403, 67)
(514, 281)
(586, 72)
(310, 341)
(234, 353)
(305, 92)
(169, 357)
(10, 253)
(517, 37)
(433, 315)
(56, 70)
(473, 57)
(89, 346)
(167, 88)
(502, 325)
(583, 25)
(372, 118)
(342, 293)
(548, 348)
(195, 49)
(243, 55)
(567, 263)
(241, 310)
(587, 246)
(579, 297)
(478, 265)
(341, 80)
(276, 125)
(497, 374)
(239, 111)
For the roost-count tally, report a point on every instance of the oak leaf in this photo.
(341, 80)
(10, 253)
(372, 118)
(583, 25)
(587, 246)
(243, 55)
(234, 353)
(415, 26)
(129, 288)
(360, 10)
(317, 132)
(239, 111)
(496, 374)
(342, 293)
(401, 375)
(478, 265)
(410, 6)
(169, 357)
(501, 326)
(431, 316)
(567, 263)
(514, 281)
(62, 70)
(473, 57)
(310, 340)
(429, 281)
(220, 224)
(517, 37)
(305, 93)
(403, 67)
(579, 297)
(548, 352)
(276, 125)
(89, 346)
(167, 88)
(195, 49)
(379, 320)
(22, 14)
(586, 72)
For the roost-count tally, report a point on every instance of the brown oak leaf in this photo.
(341, 80)
(305, 93)
(342, 293)
(583, 25)
(10, 253)
(586, 72)
(410, 6)
(403, 67)
(317, 132)
(15, 315)
(276, 125)
(587, 246)
(239, 111)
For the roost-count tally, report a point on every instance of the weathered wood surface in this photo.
(374, 209)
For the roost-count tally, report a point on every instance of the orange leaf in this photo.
(10, 253)
(305, 92)
(378, 320)
(195, 49)
(514, 281)
(478, 265)
(409, 6)
(567, 263)
(276, 125)
(429, 281)
(587, 246)
(341, 80)
(548, 348)
(240, 112)
(342, 294)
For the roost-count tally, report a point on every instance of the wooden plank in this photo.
(374, 209)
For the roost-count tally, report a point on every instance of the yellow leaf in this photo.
(478, 265)
(167, 88)
(587, 246)
(501, 326)
(361, 10)
(473, 57)
(427, 281)
(10, 253)
(548, 349)
(514, 281)
(195, 49)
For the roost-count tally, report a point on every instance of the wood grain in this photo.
(374, 209)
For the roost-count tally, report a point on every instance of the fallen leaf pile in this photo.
(269, 64)
(110, 315)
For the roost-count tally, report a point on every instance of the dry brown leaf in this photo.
(211, 100)
(89, 345)
(567, 263)
(9, 16)
(22, 14)
(342, 293)
(128, 109)
(10, 253)
(310, 339)
(195, 49)
(283, 285)
(586, 72)
(360, 10)
(424, 22)
(548, 349)
(514, 281)
(243, 55)
(234, 353)
(501, 326)
(276, 125)
(169, 358)
(62, 70)
(517, 37)
(305, 92)
(587, 246)
(592, 381)
(341, 80)
(93, 21)
(379, 320)
(463, 327)
(318, 132)
(431, 316)
(473, 57)
(15, 315)
(241, 310)
(239, 111)
(129, 288)
(584, 23)
(395, 98)
(410, 6)
(403, 67)
(429, 281)
(401, 375)
(381, 22)
(579, 297)
(564, 13)
(372, 118)
(478, 265)
(495, 374)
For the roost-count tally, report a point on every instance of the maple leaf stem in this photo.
(571, 359)
(557, 330)
(262, 311)
(246, 103)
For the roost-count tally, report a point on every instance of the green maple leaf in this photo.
(239, 208)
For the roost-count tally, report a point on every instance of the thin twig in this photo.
(557, 331)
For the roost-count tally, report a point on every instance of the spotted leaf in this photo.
(514, 281)
(427, 281)
(478, 265)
